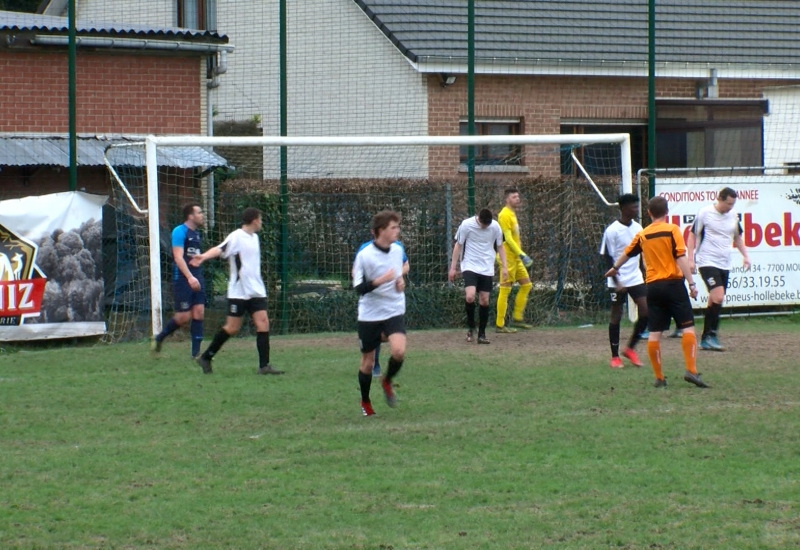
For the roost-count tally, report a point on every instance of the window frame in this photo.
(484, 157)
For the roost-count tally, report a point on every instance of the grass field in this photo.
(542, 447)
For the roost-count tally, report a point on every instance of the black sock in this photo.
(262, 345)
(470, 307)
(613, 338)
(169, 328)
(394, 368)
(638, 329)
(483, 319)
(364, 382)
(711, 322)
(219, 338)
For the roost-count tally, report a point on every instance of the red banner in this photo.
(21, 297)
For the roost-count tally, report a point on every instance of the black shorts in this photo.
(370, 332)
(237, 307)
(619, 297)
(482, 283)
(714, 277)
(668, 299)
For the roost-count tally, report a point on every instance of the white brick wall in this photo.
(344, 78)
(158, 13)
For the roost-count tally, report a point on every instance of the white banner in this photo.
(51, 276)
(769, 212)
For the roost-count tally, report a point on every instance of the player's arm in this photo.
(614, 270)
(501, 253)
(511, 243)
(210, 254)
(738, 242)
(364, 286)
(451, 275)
(683, 265)
(691, 242)
(180, 263)
(608, 260)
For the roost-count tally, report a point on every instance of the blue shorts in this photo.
(185, 298)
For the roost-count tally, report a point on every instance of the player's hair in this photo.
(250, 215)
(726, 192)
(510, 190)
(485, 216)
(382, 219)
(658, 207)
(627, 198)
(188, 210)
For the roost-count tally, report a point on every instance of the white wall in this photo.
(158, 13)
(344, 78)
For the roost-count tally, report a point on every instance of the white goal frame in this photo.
(152, 143)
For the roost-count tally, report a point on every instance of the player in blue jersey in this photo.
(188, 286)
(376, 367)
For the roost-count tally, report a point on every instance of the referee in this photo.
(664, 252)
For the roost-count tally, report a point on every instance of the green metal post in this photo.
(284, 252)
(651, 96)
(471, 106)
(71, 94)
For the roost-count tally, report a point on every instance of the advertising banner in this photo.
(769, 213)
(51, 276)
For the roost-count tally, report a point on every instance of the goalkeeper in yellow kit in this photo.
(517, 261)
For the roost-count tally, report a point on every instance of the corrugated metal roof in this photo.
(54, 151)
(593, 32)
(14, 21)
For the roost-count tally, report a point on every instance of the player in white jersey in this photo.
(378, 280)
(627, 281)
(708, 247)
(246, 290)
(477, 241)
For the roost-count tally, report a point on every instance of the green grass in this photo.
(545, 447)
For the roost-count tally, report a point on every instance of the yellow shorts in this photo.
(516, 271)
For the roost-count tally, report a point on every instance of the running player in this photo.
(378, 280)
(246, 290)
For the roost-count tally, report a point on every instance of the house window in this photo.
(197, 14)
(603, 159)
(493, 155)
(707, 133)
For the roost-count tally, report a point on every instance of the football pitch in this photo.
(530, 442)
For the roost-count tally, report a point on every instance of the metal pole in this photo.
(651, 95)
(73, 133)
(471, 106)
(284, 194)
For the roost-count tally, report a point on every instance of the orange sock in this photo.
(689, 345)
(654, 352)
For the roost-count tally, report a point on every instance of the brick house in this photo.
(131, 81)
(724, 74)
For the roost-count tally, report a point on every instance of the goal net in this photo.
(318, 195)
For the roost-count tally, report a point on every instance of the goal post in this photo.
(337, 183)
